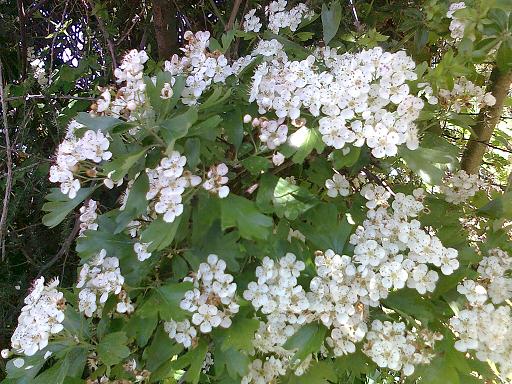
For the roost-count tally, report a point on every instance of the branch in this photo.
(106, 35)
(64, 249)
(23, 38)
(166, 32)
(232, 16)
(478, 141)
(35, 8)
(64, 97)
(8, 183)
(487, 120)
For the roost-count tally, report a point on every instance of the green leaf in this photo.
(501, 207)
(240, 334)
(237, 211)
(165, 300)
(290, 200)
(326, 230)
(331, 19)
(177, 127)
(302, 142)
(141, 328)
(122, 164)
(171, 295)
(60, 205)
(206, 129)
(192, 151)
(319, 372)
(339, 160)
(429, 164)
(160, 234)
(410, 302)
(256, 164)
(136, 203)
(216, 242)
(112, 348)
(98, 123)
(308, 339)
(235, 362)
(194, 360)
(161, 350)
(118, 245)
(53, 375)
(234, 127)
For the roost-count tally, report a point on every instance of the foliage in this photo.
(185, 168)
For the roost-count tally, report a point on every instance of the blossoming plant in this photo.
(264, 208)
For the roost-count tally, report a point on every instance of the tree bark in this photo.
(166, 31)
(487, 120)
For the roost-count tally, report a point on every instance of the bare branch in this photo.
(64, 97)
(8, 183)
(106, 36)
(64, 249)
(488, 118)
(232, 17)
(166, 33)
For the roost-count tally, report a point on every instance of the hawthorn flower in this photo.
(40, 318)
(216, 180)
(278, 159)
(273, 133)
(338, 185)
(166, 92)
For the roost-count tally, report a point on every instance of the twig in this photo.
(56, 33)
(232, 17)
(64, 97)
(35, 8)
(125, 34)
(64, 249)
(217, 13)
(478, 141)
(357, 24)
(106, 35)
(8, 183)
(23, 37)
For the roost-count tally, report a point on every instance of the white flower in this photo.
(216, 180)
(338, 185)
(166, 92)
(278, 159)
(40, 318)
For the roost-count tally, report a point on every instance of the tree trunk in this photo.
(166, 31)
(487, 120)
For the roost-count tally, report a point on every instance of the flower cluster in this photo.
(211, 302)
(395, 247)
(484, 326)
(40, 318)
(39, 72)
(217, 179)
(464, 96)
(364, 97)
(273, 132)
(167, 183)
(201, 67)
(97, 280)
(457, 25)
(277, 295)
(393, 346)
(252, 23)
(93, 146)
(88, 217)
(460, 187)
(279, 17)
(132, 94)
